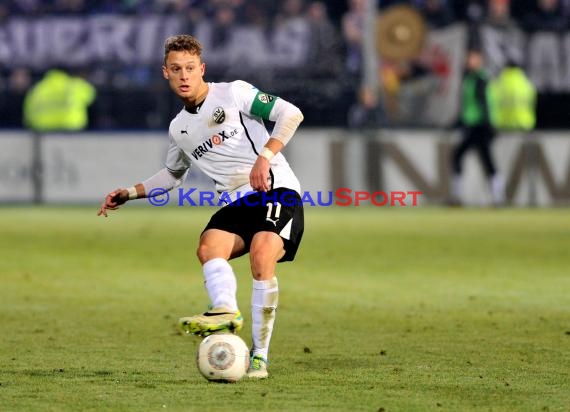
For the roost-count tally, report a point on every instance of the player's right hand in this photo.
(113, 200)
(259, 177)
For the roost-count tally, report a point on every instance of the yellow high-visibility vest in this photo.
(513, 99)
(58, 102)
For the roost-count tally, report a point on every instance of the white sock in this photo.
(220, 283)
(456, 187)
(498, 189)
(264, 299)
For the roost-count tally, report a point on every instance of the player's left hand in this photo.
(259, 175)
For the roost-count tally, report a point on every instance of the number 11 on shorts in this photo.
(273, 211)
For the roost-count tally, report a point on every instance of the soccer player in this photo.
(220, 130)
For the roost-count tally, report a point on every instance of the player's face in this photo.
(474, 61)
(184, 72)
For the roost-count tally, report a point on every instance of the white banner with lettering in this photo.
(44, 42)
(82, 168)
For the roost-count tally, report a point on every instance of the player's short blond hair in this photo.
(182, 42)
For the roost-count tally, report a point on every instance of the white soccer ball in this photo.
(223, 357)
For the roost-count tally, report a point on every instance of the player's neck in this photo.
(193, 105)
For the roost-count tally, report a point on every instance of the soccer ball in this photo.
(223, 357)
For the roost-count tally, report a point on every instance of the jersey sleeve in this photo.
(176, 159)
(251, 100)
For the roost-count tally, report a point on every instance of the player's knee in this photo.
(262, 252)
(203, 253)
(256, 256)
(263, 261)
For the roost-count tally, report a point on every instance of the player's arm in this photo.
(171, 176)
(481, 86)
(287, 118)
(165, 179)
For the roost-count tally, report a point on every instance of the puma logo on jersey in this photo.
(183, 132)
(214, 140)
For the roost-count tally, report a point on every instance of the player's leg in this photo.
(215, 249)
(278, 234)
(266, 249)
(483, 145)
(457, 164)
(496, 181)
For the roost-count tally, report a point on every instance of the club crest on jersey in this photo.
(219, 115)
(265, 98)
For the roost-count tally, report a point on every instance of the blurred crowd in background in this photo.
(533, 14)
(309, 52)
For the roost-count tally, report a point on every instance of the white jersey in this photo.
(225, 137)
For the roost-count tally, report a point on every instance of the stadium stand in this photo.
(298, 49)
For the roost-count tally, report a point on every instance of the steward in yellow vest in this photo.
(513, 100)
(58, 102)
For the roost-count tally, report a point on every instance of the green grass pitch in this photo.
(385, 309)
